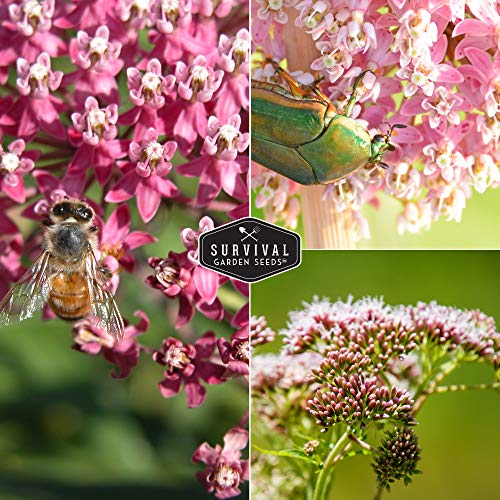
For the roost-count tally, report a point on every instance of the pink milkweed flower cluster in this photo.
(134, 104)
(435, 68)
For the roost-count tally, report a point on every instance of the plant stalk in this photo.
(332, 458)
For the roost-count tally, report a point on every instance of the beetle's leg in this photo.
(296, 89)
(352, 99)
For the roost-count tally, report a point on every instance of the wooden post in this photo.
(324, 227)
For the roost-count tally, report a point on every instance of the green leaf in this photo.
(300, 454)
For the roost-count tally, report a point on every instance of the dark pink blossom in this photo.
(116, 240)
(206, 281)
(174, 277)
(196, 84)
(125, 354)
(27, 33)
(220, 168)
(94, 134)
(236, 352)
(145, 178)
(225, 469)
(188, 363)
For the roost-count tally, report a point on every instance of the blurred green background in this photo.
(479, 228)
(458, 432)
(70, 431)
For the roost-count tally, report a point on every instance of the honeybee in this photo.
(66, 276)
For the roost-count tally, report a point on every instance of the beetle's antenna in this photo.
(396, 125)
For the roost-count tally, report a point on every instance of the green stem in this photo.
(379, 493)
(328, 465)
(422, 394)
(360, 442)
(463, 387)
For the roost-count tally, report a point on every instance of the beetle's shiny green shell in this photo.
(289, 136)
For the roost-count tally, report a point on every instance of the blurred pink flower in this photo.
(225, 469)
(31, 16)
(89, 339)
(188, 363)
(10, 254)
(236, 352)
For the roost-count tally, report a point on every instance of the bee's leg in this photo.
(354, 95)
(93, 229)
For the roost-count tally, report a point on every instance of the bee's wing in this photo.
(29, 294)
(103, 305)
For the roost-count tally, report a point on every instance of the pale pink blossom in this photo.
(235, 52)
(403, 181)
(315, 16)
(198, 81)
(150, 87)
(97, 52)
(96, 123)
(224, 140)
(32, 15)
(37, 79)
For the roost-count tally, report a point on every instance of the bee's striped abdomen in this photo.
(69, 296)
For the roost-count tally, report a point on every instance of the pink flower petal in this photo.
(124, 189)
(138, 239)
(170, 387)
(148, 201)
(195, 393)
(117, 226)
(207, 283)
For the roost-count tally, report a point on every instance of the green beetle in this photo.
(299, 133)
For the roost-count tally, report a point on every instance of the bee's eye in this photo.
(84, 213)
(60, 209)
(379, 139)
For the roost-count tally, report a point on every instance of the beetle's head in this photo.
(381, 144)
